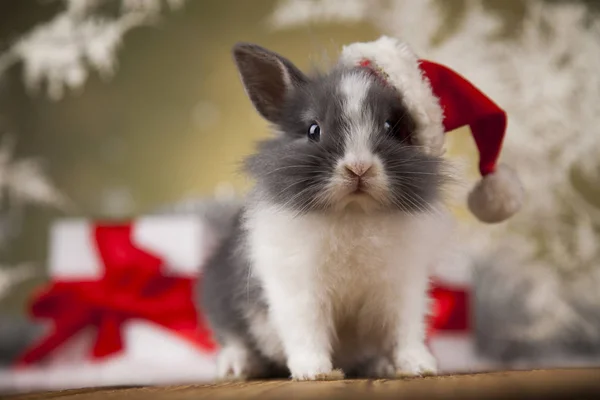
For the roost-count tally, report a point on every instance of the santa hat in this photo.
(440, 100)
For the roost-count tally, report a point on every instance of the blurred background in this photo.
(112, 109)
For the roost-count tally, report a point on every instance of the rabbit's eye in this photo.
(314, 132)
(397, 131)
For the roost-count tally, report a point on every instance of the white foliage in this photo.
(11, 276)
(24, 181)
(292, 13)
(150, 6)
(60, 51)
(548, 83)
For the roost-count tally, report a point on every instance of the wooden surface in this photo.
(523, 384)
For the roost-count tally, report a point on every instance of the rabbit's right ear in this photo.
(267, 78)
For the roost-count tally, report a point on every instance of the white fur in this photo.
(358, 153)
(354, 88)
(346, 286)
(402, 66)
(263, 332)
(234, 360)
(497, 196)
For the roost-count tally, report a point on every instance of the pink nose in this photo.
(358, 169)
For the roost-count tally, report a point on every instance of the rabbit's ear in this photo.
(267, 78)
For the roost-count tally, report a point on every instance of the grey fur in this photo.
(264, 74)
(290, 170)
(231, 297)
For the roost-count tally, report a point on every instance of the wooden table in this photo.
(543, 384)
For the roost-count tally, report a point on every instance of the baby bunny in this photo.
(327, 267)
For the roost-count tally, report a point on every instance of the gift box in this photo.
(121, 306)
(451, 327)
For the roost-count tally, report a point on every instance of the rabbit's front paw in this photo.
(313, 368)
(415, 361)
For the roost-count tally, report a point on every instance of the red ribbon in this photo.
(132, 287)
(451, 311)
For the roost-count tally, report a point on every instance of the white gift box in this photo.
(179, 240)
(456, 352)
(152, 354)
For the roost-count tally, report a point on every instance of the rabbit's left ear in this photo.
(267, 78)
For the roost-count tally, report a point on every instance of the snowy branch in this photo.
(22, 182)
(9, 277)
(60, 51)
(297, 13)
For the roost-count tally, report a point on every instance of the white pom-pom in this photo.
(498, 196)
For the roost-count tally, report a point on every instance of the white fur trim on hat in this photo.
(401, 65)
(497, 196)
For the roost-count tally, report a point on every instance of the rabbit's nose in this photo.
(358, 169)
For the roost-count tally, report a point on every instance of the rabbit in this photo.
(325, 273)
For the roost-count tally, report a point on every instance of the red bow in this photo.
(451, 309)
(132, 286)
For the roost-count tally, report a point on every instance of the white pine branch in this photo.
(61, 51)
(24, 181)
(13, 275)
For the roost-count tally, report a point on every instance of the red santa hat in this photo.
(440, 100)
